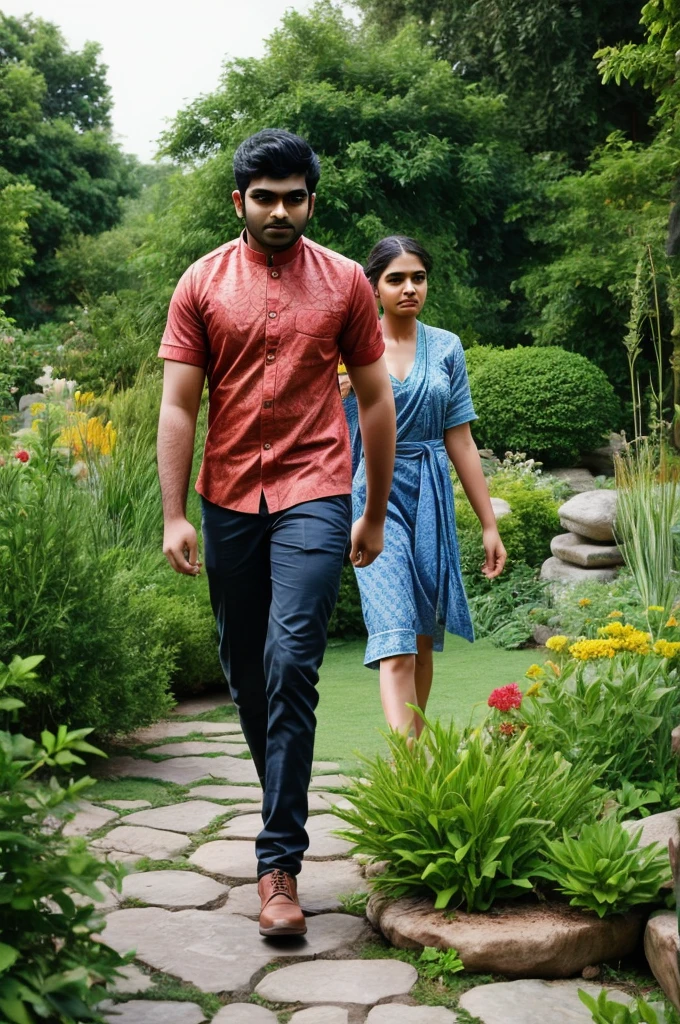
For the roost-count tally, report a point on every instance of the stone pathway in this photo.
(194, 917)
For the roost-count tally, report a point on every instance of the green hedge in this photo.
(547, 402)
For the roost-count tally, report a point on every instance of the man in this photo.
(267, 317)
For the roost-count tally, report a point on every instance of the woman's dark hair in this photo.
(387, 249)
(275, 153)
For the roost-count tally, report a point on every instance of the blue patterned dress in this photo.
(415, 585)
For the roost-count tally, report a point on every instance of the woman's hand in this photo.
(345, 386)
(495, 553)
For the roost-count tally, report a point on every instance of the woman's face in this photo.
(402, 287)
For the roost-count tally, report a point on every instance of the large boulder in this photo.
(590, 514)
(601, 460)
(662, 948)
(557, 571)
(519, 940)
(577, 550)
(577, 479)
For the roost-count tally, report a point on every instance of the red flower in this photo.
(507, 728)
(506, 697)
(22, 455)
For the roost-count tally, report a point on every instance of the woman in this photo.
(414, 589)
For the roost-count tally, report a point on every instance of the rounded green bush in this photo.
(547, 402)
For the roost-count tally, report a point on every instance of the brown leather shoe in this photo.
(280, 913)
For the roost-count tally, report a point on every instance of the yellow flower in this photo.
(37, 408)
(672, 621)
(615, 615)
(533, 690)
(626, 637)
(83, 398)
(534, 672)
(556, 643)
(91, 433)
(585, 650)
(656, 608)
(667, 648)
(584, 602)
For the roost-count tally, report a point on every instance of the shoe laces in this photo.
(280, 883)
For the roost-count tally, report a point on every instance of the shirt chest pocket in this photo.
(318, 323)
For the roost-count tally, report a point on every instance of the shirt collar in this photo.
(279, 259)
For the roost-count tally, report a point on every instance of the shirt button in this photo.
(266, 446)
(268, 405)
(270, 357)
(275, 273)
(272, 316)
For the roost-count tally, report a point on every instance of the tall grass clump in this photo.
(466, 816)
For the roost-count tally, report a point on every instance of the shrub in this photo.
(52, 967)
(610, 1011)
(105, 663)
(465, 816)
(605, 870)
(547, 402)
(617, 712)
(502, 609)
(347, 619)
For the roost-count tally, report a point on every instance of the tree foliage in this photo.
(540, 55)
(55, 143)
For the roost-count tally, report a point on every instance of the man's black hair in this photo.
(275, 153)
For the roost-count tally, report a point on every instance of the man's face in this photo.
(276, 211)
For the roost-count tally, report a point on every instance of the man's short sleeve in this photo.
(361, 341)
(459, 408)
(184, 339)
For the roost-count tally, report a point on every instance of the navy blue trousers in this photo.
(274, 580)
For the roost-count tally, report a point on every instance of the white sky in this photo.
(160, 53)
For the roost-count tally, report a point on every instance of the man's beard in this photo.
(272, 239)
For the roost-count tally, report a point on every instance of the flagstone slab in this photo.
(321, 1015)
(329, 782)
(127, 805)
(199, 705)
(218, 953)
(169, 730)
(142, 842)
(146, 1011)
(189, 816)
(533, 1001)
(244, 1013)
(320, 885)
(227, 792)
(319, 829)
(227, 859)
(88, 818)
(394, 1013)
(182, 770)
(342, 981)
(133, 980)
(187, 748)
(325, 766)
(173, 889)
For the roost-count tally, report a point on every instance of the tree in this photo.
(538, 53)
(406, 146)
(55, 137)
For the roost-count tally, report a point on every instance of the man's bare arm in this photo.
(377, 420)
(182, 390)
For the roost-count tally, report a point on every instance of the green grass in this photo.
(350, 715)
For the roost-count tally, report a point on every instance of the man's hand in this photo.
(180, 547)
(368, 540)
(495, 553)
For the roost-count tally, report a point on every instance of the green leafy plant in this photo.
(52, 966)
(439, 964)
(354, 903)
(465, 815)
(610, 1011)
(605, 870)
(616, 712)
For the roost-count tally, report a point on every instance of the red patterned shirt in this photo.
(269, 332)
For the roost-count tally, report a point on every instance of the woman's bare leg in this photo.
(424, 673)
(397, 689)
